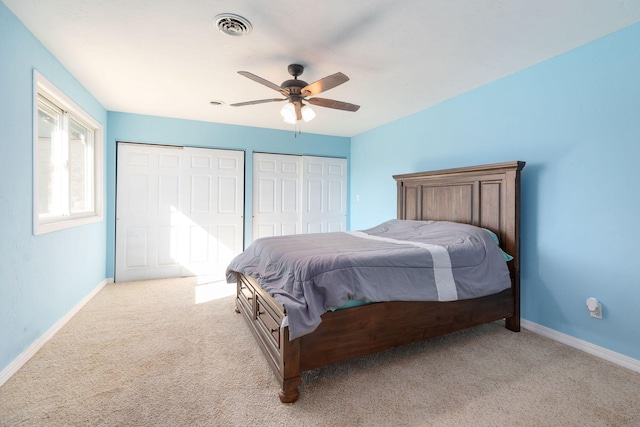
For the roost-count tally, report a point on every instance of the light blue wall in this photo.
(575, 120)
(125, 127)
(41, 277)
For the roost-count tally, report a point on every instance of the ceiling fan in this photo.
(296, 91)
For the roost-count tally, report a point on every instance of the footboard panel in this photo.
(358, 331)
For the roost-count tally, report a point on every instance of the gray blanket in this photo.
(395, 261)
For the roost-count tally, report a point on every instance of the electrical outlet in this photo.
(595, 308)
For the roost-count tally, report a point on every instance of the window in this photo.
(67, 161)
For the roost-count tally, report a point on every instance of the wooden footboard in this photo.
(355, 332)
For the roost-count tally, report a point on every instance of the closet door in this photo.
(212, 210)
(276, 195)
(148, 192)
(324, 194)
(179, 211)
(298, 194)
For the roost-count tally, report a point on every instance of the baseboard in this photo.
(24, 357)
(587, 347)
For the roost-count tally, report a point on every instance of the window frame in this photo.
(44, 88)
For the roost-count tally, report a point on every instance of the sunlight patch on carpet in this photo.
(215, 290)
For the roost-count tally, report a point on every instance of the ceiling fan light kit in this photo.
(288, 113)
(307, 113)
(296, 91)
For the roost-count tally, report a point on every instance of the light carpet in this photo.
(175, 353)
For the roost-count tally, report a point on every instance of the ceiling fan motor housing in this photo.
(293, 85)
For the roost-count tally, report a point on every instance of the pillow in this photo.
(493, 235)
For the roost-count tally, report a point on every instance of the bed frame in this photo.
(487, 196)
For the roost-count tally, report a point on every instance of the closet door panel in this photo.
(276, 195)
(325, 184)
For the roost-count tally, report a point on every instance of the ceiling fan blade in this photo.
(264, 82)
(324, 84)
(332, 103)
(259, 101)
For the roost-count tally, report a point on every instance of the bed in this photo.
(486, 196)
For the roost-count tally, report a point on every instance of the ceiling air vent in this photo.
(232, 25)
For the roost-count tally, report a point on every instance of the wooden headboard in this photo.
(486, 196)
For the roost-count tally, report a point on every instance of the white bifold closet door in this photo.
(179, 211)
(298, 194)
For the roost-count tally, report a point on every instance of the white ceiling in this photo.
(166, 58)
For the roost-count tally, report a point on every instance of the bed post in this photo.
(513, 241)
(289, 367)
